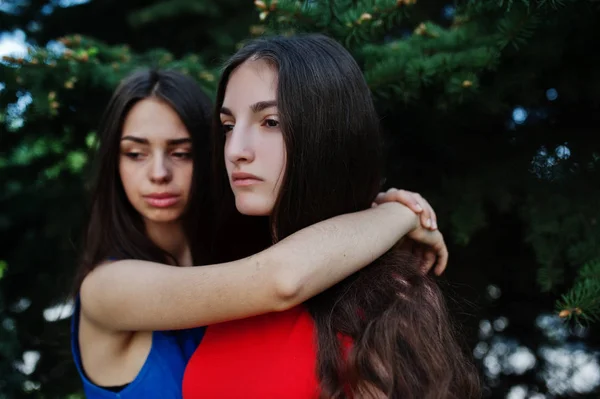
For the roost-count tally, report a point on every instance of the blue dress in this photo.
(161, 375)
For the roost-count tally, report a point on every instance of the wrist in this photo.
(401, 215)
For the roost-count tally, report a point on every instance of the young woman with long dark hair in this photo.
(300, 139)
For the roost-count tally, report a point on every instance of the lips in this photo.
(162, 200)
(242, 179)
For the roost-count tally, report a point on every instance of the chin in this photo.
(162, 215)
(253, 206)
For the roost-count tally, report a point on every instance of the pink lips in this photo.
(162, 200)
(241, 179)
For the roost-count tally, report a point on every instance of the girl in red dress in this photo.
(300, 142)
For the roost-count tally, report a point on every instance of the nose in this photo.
(239, 145)
(160, 169)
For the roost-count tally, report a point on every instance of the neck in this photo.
(170, 237)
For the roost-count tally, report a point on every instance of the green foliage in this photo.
(506, 5)
(445, 88)
(171, 8)
(3, 267)
(583, 300)
(444, 58)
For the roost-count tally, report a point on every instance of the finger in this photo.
(425, 217)
(442, 261)
(433, 216)
(434, 221)
(383, 197)
(428, 218)
(408, 199)
(429, 258)
(404, 197)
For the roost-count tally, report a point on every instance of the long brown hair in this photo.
(114, 228)
(404, 345)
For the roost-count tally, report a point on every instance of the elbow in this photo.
(88, 298)
(93, 303)
(288, 290)
(286, 284)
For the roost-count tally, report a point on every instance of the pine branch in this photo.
(172, 8)
(591, 270)
(479, 6)
(352, 23)
(517, 28)
(288, 15)
(451, 58)
(549, 276)
(407, 66)
(582, 302)
(370, 20)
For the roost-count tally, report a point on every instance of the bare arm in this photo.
(132, 295)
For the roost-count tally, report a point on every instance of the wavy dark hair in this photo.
(115, 229)
(404, 343)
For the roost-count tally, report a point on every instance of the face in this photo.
(255, 153)
(155, 163)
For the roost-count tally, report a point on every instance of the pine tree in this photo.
(468, 101)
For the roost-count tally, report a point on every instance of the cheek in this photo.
(280, 155)
(228, 165)
(226, 160)
(271, 151)
(187, 175)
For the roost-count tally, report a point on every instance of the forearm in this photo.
(319, 256)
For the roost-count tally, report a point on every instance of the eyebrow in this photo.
(140, 140)
(256, 107)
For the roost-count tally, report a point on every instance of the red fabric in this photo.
(263, 357)
(346, 344)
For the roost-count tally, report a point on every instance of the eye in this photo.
(133, 155)
(271, 123)
(182, 155)
(226, 127)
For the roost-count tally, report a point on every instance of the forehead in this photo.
(250, 82)
(152, 118)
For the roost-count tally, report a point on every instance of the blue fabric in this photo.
(161, 375)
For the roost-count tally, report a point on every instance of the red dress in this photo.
(271, 356)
